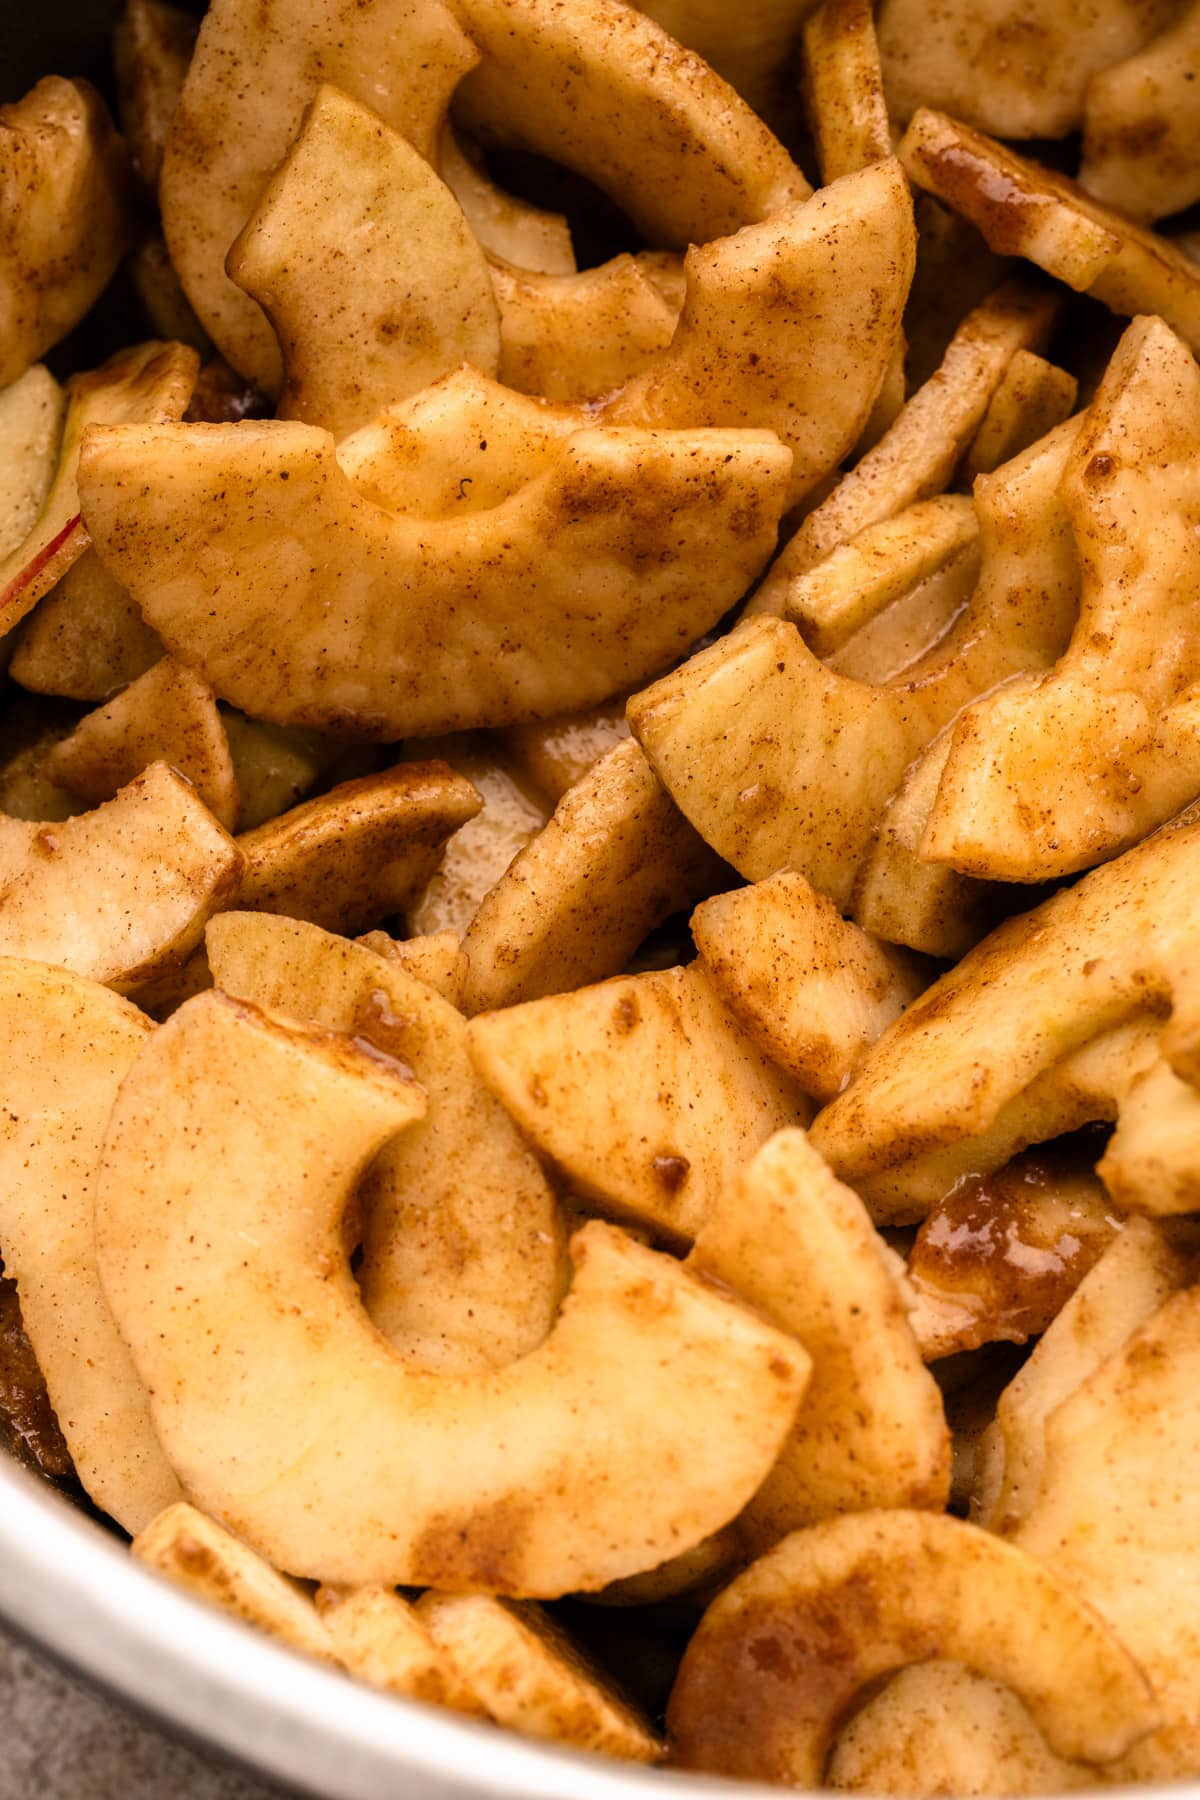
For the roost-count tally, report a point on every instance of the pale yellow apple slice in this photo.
(572, 583)
(1040, 987)
(506, 227)
(1152, 1161)
(255, 69)
(553, 754)
(790, 324)
(65, 1045)
(121, 894)
(1141, 119)
(917, 456)
(905, 900)
(571, 337)
(861, 579)
(274, 765)
(68, 216)
(1033, 397)
(1061, 770)
(198, 1555)
(152, 47)
(532, 1678)
(378, 1636)
(751, 47)
(481, 850)
(435, 959)
(86, 637)
(310, 1436)
(781, 1656)
(599, 87)
(462, 1256)
(363, 262)
(643, 1091)
(31, 418)
(800, 1248)
(939, 1728)
(846, 107)
(1002, 67)
(148, 384)
(1116, 1518)
(357, 854)
(1023, 209)
(1136, 1275)
(616, 859)
(812, 989)
(167, 715)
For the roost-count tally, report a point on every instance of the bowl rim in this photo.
(70, 1589)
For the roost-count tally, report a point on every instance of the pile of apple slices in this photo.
(600, 867)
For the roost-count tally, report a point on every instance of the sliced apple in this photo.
(436, 959)
(751, 47)
(790, 324)
(86, 637)
(31, 418)
(1138, 1273)
(167, 715)
(148, 384)
(918, 454)
(1023, 209)
(68, 217)
(274, 766)
(812, 989)
(571, 584)
(152, 47)
(859, 580)
(846, 107)
(570, 337)
(903, 899)
(506, 227)
(462, 1264)
(1033, 397)
(599, 87)
(358, 853)
(783, 1654)
(65, 1045)
(554, 754)
(369, 273)
(1118, 1500)
(313, 1439)
(121, 894)
(615, 860)
(1040, 987)
(200, 1556)
(1152, 1162)
(532, 1678)
(1141, 116)
(1002, 67)
(480, 851)
(1061, 770)
(800, 1248)
(642, 1090)
(379, 1637)
(223, 146)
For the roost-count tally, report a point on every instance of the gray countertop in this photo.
(61, 1742)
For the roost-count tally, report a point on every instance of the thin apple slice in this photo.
(31, 418)
(146, 385)
(316, 1441)
(572, 583)
(65, 1045)
(643, 1090)
(68, 217)
(462, 1253)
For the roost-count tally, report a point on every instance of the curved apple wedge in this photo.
(642, 1424)
(65, 1046)
(790, 324)
(306, 603)
(784, 1653)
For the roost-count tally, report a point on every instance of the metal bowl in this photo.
(70, 1589)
